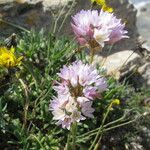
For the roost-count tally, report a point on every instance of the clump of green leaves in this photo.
(25, 120)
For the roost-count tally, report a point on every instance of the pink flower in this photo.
(87, 109)
(79, 85)
(115, 26)
(103, 27)
(79, 74)
(62, 88)
(65, 112)
(90, 92)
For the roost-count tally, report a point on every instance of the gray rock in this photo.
(144, 71)
(143, 19)
(127, 64)
(138, 69)
(115, 63)
(143, 24)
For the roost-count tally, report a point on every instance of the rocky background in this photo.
(43, 14)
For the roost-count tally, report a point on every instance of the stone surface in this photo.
(143, 19)
(137, 70)
(143, 23)
(114, 62)
(129, 65)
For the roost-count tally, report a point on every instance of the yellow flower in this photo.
(8, 59)
(103, 4)
(116, 102)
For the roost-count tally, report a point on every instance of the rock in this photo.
(127, 64)
(116, 61)
(137, 71)
(143, 24)
(5, 1)
(143, 19)
(127, 12)
(144, 71)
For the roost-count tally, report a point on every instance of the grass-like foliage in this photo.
(25, 120)
(25, 93)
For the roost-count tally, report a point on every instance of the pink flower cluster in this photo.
(79, 85)
(103, 27)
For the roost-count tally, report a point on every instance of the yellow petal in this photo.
(12, 50)
(8, 59)
(103, 4)
(116, 102)
(20, 58)
(106, 8)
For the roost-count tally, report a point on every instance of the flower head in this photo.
(100, 27)
(8, 59)
(79, 85)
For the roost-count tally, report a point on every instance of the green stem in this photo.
(99, 140)
(91, 55)
(56, 21)
(74, 135)
(100, 128)
(120, 125)
(26, 105)
(66, 16)
(14, 25)
(109, 93)
(114, 127)
(37, 140)
(95, 130)
(67, 147)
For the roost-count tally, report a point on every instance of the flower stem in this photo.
(26, 105)
(96, 130)
(100, 128)
(67, 14)
(67, 147)
(91, 55)
(74, 133)
(57, 19)
(111, 128)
